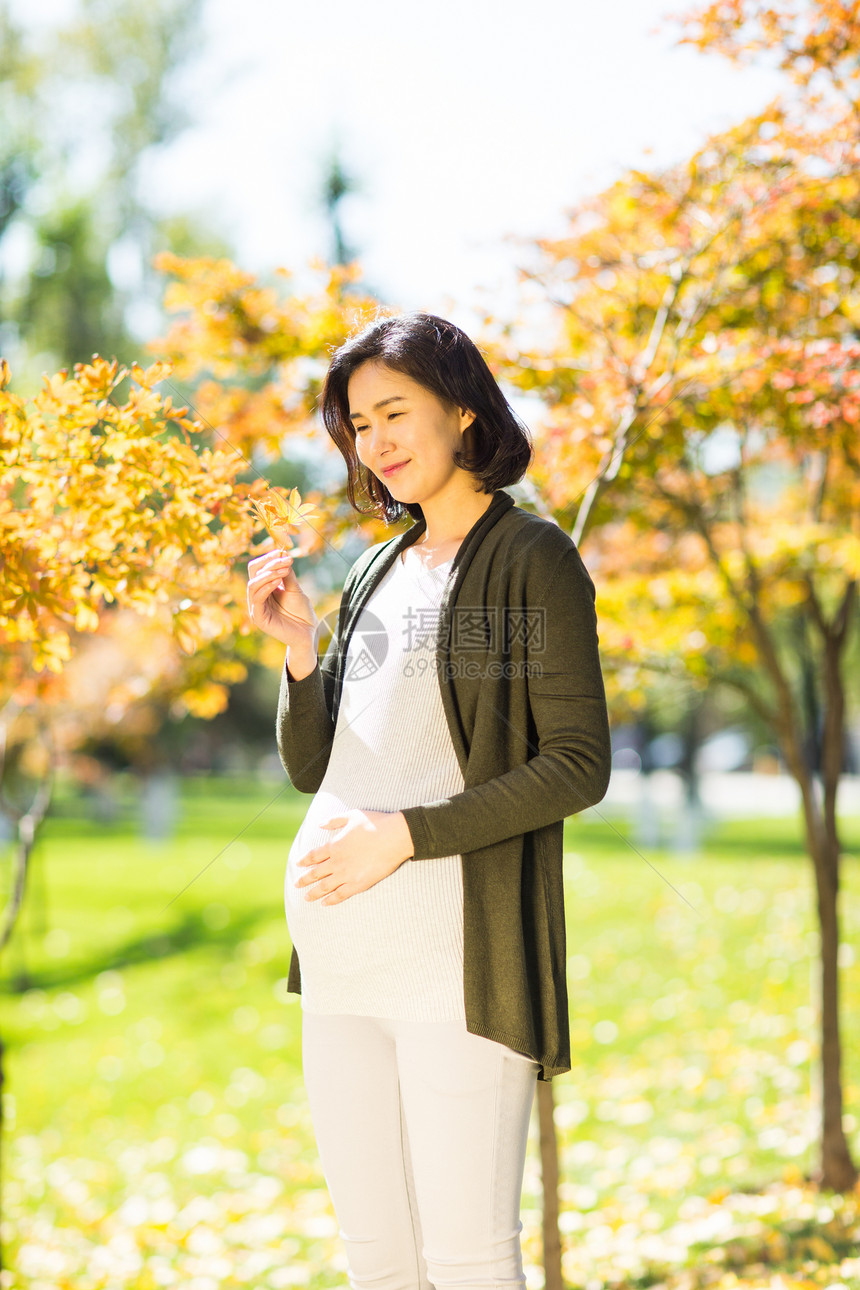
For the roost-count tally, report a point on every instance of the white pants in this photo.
(421, 1129)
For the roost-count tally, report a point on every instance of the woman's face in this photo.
(397, 420)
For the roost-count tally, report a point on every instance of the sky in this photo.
(468, 125)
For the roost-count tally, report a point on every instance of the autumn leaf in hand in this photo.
(283, 515)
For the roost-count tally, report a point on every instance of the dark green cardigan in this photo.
(533, 748)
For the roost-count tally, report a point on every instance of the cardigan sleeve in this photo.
(570, 767)
(305, 729)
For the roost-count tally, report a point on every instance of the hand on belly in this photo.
(369, 846)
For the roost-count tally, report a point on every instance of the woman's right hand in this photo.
(277, 604)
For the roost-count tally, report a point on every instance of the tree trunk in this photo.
(688, 827)
(26, 827)
(836, 1170)
(549, 1178)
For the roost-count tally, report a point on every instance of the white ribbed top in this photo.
(396, 949)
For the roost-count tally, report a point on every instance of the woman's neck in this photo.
(450, 521)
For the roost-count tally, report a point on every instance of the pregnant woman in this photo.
(457, 717)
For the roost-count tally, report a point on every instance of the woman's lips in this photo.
(393, 469)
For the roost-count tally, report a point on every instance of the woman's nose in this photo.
(380, 441)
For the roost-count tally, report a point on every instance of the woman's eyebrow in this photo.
(392, 398)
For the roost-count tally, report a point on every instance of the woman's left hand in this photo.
(372, 845)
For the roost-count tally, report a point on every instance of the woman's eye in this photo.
(391, 416)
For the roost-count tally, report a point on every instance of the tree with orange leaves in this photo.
(815, 43)
(106, 506)
(703, 396)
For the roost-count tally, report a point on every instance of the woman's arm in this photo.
(570, 766)
(305, 728)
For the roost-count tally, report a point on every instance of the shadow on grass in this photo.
(191, 933)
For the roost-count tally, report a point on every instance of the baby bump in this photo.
(317, 929)
(325, 806)
(385, 923)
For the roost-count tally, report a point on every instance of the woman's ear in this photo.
(467, 418)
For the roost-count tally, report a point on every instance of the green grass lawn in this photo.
(156, 1128)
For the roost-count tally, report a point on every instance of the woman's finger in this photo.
(319, 892)
(337, 897)
(260, 593)
(321, 884)
(333, 891)
(308, 877)
(264, 588)
(271, 572)
(261, 561)
(269, 558)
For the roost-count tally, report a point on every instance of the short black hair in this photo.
(440, 356)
